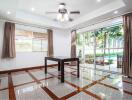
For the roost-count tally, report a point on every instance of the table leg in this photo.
(58, 65)
(78, 69)
(62, 71)
(45, 66)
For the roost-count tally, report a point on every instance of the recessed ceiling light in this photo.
(115, 12)
(8, 12)
(98, 0)
(32, 9)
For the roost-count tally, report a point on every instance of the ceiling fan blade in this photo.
(51, 12)
(74, 12)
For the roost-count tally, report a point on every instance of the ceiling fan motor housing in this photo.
(62, 11)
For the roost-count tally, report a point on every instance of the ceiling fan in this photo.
(63, 13)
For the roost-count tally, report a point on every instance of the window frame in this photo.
(32, 42)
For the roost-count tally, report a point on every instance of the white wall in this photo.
(61, 40)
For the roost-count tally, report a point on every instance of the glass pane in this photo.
(40, 35)
(89, 48)
(80, 46)
(44, 45)
(40, 41)
(23, 41)
(85, 48)
(100, 36)
(23, 33)
(27, 41)
(36, 44)
(116, 41)
(23, 45)
(109, 44)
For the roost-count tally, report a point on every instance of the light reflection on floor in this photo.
(92, 84)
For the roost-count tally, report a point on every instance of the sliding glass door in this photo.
(116, 45)
(102, 48)
(89, 48)
(85, 48)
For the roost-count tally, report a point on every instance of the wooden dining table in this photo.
(61, 61)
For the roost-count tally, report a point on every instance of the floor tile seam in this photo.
(49, 92)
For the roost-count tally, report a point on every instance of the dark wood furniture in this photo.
(61, 61)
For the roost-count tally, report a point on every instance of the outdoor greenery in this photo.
(110, 61)
(108, 33)
(107, 54)
(106, 37)
(101, 54)
(79, 42)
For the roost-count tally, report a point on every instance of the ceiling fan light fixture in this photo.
(66, 16)
(63, 13)
(59, 16)
(63, 17)
(62, 20)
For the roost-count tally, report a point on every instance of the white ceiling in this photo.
(90, 10)
(41, 6)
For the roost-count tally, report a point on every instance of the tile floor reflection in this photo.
(107, 93)
(82, 96)
(92, 85)
(4, 95)
(3, 81)
(31, 92)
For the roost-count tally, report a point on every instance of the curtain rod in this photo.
(107, 19)
(25, 24)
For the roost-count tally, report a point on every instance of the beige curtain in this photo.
(9, 41)
(127, 68)
(50, 43)
(73, 46)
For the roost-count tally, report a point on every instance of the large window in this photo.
(111, 39)
(27, 41)
(102, 47)
(85, 47)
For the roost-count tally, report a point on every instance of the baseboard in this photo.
(22, 69)
(29, 68)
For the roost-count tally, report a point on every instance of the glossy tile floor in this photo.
(92, 85)
(111, 67)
